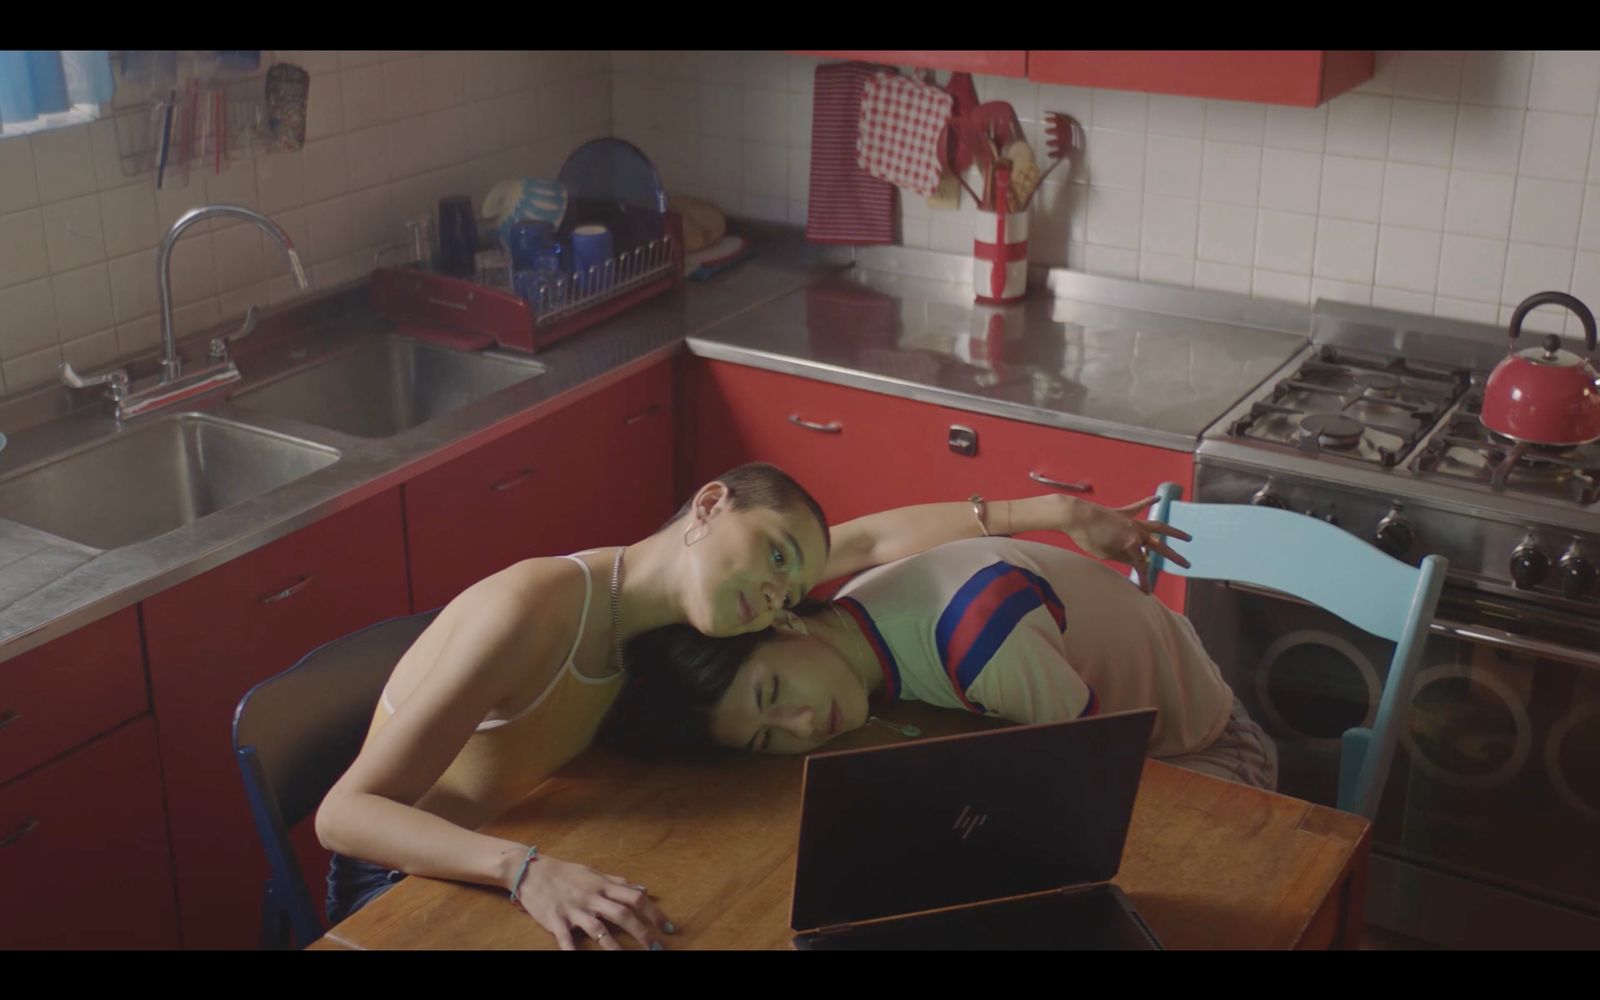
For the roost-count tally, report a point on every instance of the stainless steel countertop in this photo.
(50, 586)
(1114, 358)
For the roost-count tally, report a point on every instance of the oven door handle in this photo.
(1517, 643)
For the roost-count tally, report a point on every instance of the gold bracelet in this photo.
(979, 508)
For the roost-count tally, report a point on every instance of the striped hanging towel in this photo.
(847, 205)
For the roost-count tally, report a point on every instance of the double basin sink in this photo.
(162, 472)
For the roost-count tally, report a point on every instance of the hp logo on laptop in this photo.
(969, 821)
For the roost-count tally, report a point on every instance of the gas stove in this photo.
(1374, 426)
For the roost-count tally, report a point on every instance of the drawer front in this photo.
(69, 691)
(83, 849)
(210, 640)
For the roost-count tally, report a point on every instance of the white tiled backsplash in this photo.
(388, 134)
(1453, 183)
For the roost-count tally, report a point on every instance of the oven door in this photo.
(1487, 829)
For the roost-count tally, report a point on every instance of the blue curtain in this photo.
(36, 83)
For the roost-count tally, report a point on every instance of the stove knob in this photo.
(1266, 498)
(1394, 536)
(1331, 518)
(1577, 575)
(1528, 566)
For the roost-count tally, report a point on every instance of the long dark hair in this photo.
(675, 677)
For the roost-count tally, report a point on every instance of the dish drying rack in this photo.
(463, 314)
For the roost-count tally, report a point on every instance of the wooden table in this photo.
(1208, 863)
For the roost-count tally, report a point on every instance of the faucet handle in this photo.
(218, 351)
(116, 380)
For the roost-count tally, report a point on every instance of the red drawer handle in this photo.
(9, 716)
(642, 414)
(289, 591)
(20, 832)
(831, 427)
(1069, 487)
(515, 480)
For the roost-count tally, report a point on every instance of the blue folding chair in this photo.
(1336, 571)
(294, 735)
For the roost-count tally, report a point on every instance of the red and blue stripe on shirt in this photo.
(982, 614)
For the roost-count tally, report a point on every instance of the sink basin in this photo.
(146, 482)
(385, 386)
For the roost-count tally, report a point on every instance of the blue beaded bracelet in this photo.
(529, 858)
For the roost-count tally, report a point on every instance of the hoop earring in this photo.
(704, 530)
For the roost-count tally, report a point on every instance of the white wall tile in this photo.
(63, 163)
(82, 302)
(38, 368)
(133, 286)
(128, 218)
(1119, 109)
(1556, 146)
(325, 107)
(1291, 180)
(1434, 74)
(329, 223)
(1178, 116)
(1471, 268)
(1221, 277)
(365, 97)
(1547, 212)
(18, 189)
(1565, 81)
(88, 353)
(1342, 291)
(1589, 230)
(1414, 195)
(1422, 132)
(193, 270)
(1499, 78)
(1116, 159)
(1227, 233)
(1358, 125)
(1586, 277)
(1230, 173)
(1352, 188)
(1488, 140)
(1284, 241)
(1114, 218)
(323, 169)
(1396, 298)
(238, 256)
(73, 233)
(1304, 129)
(30, 319)
(764, 71)
(1282, 287)
(720, 110)
(1169, 226)
(1111, 262)
(1479, 204)
(1172, 166)
(1166, 270)
(766, 172)
(1236, 121)
(1532, 269)
(1474, 312)
(1408, 259)
(1346, 251)
(279, 182)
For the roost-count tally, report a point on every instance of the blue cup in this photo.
(458, 236)
(527, 240)
(591, 247)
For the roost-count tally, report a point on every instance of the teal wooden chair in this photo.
(1334, 570)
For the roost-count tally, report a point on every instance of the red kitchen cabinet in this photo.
(597, 472)
(83, 849)
(211, 639)
(883, 451)
(43, 708)
(997, 63)
(1302, 78)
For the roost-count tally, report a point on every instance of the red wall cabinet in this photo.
(597, 472)
(859, 451)
(998, 63)
(1302, 78)
(83, 848)
(211, 639)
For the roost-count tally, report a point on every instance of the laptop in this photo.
(929, 845)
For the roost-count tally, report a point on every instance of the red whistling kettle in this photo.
(1545, 395)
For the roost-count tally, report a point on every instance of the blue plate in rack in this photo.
(612, 182)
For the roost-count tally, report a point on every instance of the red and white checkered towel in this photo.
(901, 121)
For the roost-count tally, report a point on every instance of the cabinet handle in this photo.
(1069, 487)
(20, 832)
(831, 427)
(642, 414)
(289, 591)
(9, 716)
(515, 479)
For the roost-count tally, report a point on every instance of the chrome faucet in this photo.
(173, 385)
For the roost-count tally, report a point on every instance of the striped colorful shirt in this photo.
(1033, 633)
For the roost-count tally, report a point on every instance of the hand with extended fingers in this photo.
(563, 897)
(1118, 533)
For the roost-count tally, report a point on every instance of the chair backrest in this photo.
(1326, 566)
(296, 733)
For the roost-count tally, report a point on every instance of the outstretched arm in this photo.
(1102, 532)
